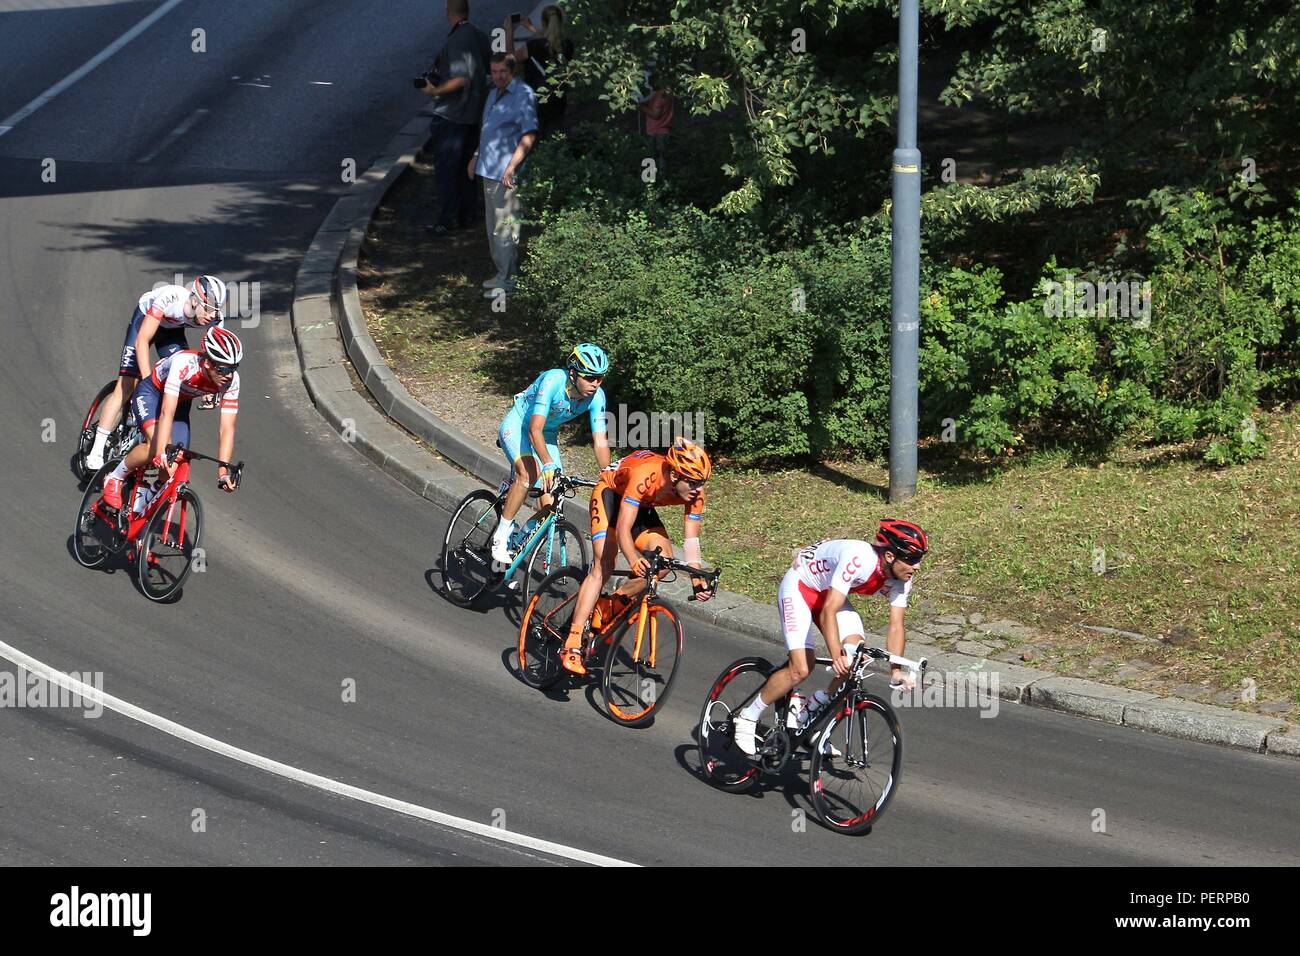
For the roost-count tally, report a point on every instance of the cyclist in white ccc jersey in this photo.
(816, 589)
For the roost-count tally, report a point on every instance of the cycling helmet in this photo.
(588, 359)
(222, 346)
(904, 538)
(689, 460)
(211, 292)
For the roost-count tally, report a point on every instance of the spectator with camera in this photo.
(457, 85)
(508, 133)
(540, 54)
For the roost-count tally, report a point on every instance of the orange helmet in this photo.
(689, 460)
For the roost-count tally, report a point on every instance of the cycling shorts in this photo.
(145, 404)
(515, 442)
(795, 603)
(605, 502)
(166, 341)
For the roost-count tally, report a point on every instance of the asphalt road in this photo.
(316, 569)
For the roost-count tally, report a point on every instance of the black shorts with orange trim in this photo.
(606, 501)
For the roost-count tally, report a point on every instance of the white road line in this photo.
(259, 85)
(174, 135)
(93, 696)
(9, 122)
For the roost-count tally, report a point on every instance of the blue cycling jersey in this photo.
(549, 396)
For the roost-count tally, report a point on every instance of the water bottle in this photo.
(819, 700)
(520, 536)
(798, 712)
(144, 493)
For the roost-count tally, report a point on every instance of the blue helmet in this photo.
(588, 358)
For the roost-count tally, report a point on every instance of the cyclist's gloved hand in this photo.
(840, 664)
(703, 590)
(549, 471)
(226, 482)
(640, 567)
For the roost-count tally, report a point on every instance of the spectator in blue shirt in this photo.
(460, 70)
(508, 132)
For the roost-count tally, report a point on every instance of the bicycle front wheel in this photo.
(467, 548)
(545, 627)
(856, 763)
(639, 672)
(561, 546)
(167, 546)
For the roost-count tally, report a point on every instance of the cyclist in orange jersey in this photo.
(624, 500)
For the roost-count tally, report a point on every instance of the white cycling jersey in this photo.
(181, 374)
(848, 566)
(167, 304)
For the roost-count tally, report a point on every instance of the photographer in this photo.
(457, 84)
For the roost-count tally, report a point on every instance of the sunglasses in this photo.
(912, 561)
(225, 369)
(596, 379)
(693, 482)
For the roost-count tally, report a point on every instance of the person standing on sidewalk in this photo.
(456, 84)
(508, 134)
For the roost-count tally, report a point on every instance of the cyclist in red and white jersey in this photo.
(161, 317)
(162, 406)
(816, 589)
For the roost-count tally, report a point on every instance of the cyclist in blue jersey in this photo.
(531, 429)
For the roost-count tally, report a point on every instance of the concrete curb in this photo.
(329, 327)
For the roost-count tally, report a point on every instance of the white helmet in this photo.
(222, 346)
(211, 293)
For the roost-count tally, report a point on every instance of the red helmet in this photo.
(904, 538)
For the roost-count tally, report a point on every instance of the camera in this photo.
(432, 78)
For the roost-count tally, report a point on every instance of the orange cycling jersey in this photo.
(640, 481)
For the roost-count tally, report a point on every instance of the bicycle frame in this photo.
(135, 524)
(852, 687)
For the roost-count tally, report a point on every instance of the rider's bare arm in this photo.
(162, 430)
(828, 624)
(226, 442)
(600, 443)
(895, 638)
(143, 342)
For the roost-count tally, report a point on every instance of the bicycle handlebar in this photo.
(880, 654)
(564, 486)
(236, 469)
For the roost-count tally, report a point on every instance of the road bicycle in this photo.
(159, 529)
(855, 740)
(641, 639)
(540, 546)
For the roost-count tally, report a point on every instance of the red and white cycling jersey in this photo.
(167, 305)
(181, 374)
(847, 566)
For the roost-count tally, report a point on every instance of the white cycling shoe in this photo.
(501, 552)
(95, 459)
(743, 730)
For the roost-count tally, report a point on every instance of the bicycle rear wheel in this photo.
(91, 533)
(851, 789)
(724, 764)
(545, 627)
(637, 678)
(467, 549)
(87, 440)
(167, 546)
(562, 546)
